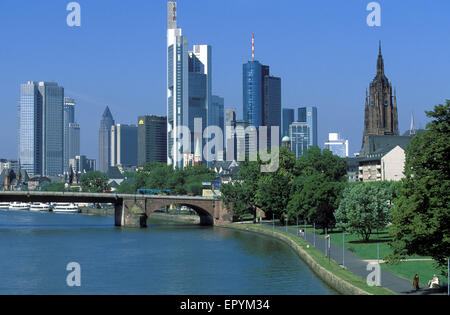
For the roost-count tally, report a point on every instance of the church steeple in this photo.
(380, 115)
(380, 62)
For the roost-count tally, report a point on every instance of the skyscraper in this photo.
(230, 139)
(299, 134)
(200, 95)
(152, 139)
(261, 95)
(337, 145)
(124, 149)
(74, 140)
(177, 85)
(288, 119)
(380, 116)
(41, 128)
(216, 118)
(104, 141)
(71, 133)
(309, 115)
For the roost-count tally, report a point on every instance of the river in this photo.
(35, 249)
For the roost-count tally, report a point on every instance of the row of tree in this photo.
(314, 188)
(187, 181)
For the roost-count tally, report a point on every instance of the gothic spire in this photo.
(380, 63)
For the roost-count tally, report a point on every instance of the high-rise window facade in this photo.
(299, 134)
(152, 139)
(309, 115)
(41, 128)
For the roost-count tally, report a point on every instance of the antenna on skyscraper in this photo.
(253, 47)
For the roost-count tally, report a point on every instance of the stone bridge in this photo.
(131, 210)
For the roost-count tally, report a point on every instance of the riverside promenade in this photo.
(358, 266)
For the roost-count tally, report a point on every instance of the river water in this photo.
(35, 249)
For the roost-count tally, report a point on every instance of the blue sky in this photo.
(323, 50)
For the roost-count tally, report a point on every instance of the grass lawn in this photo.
(408, 269)
(355, 244)
(366, 251)
(331, 266)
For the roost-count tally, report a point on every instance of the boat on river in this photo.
(39, 206)
(65, 208)
(19, 206)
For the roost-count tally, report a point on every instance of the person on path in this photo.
(416, 282)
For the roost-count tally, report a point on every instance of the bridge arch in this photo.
(206, 216)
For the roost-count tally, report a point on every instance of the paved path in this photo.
(359, 267)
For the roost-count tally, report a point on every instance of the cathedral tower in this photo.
(381, 117)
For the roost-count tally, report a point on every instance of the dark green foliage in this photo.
(94, 182)
(421, 218)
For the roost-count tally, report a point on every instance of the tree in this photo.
(365, 208)
(94, 182)
(316, 191)
(240, 194)
(55, 187)
(273, 191)
(421, 218)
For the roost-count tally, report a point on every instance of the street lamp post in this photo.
(314, 234)
(343, 248)
(286, 219)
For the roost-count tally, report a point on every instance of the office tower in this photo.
(309, 115)
(299, 134)
(288, 119)
(177, 85)
(69, 117)
(124, 140)
(216, 118)
(261, 95)
(272, 106)
(200, 97)
(41, 128)
(81, 164)
(152, 139)
(380, 116)
(104, 141)
(74, 140)
(337, 145)
(230, 139)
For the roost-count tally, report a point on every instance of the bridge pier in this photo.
(129, 213)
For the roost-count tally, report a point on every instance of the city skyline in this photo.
(342, 105)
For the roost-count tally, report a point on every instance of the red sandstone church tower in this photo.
(381, 117)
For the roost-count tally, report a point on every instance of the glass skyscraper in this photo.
(177, 86)
(71, 138)
(337, 145)
(124, 142)
(152, 139)
(309, 115)
(288, 119)
(299, 133)
(41, 128)
(104, 141)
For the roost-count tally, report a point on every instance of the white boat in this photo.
(4, 205)
(39, 206)
(19, 206)
(65, 208)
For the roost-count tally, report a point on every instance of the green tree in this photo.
(316, 191)
(55, 187)
(421, 218)
(365, 208)
(94, 182)
(273, 190)
(240, 194)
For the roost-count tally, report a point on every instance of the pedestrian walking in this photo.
(416, 282)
